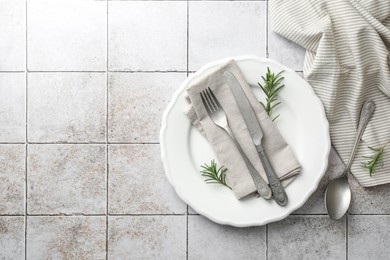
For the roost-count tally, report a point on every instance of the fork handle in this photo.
(261, 186)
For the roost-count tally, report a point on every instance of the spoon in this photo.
(338, 192)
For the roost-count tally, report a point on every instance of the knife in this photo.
(256, 133)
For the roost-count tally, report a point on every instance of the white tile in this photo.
(368, 237)
(147, 35)
(12, 35)
(67, 107)
(67, 35)
(307, 237)
(66, 237)
(12, 238)
(12, 179)
(66, 179)
(208, 240)
(147, 237)
(12, 107)
(137, 183)
(285, 51)
(219, 29)
(136, 102)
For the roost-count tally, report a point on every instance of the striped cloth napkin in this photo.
(347, 46)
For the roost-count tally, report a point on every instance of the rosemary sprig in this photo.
(271, 87)
(214, 174)
(375, 158)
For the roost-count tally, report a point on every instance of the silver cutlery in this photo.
(218, 116)
(338, 192)
(256, 133)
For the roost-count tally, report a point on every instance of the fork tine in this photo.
(205, 103)
(210, 100)
(215, 100)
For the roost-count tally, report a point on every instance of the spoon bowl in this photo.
(337, 198)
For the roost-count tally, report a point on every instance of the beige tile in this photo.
(13, 35)
(136, 103)
(137, 183)
(208, 240)
(67, 107)
(368, 237)
(12, 179)
(12, 107)
(66, 237)
(12, 238)
(66, 179)
(307, 237)
(219, 29)
(147, 35)
(67, 35)
(147, 237)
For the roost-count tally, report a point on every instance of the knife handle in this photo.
(277, 188)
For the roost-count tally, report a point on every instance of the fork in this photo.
(218, 116)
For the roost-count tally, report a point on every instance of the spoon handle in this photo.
(368, 109)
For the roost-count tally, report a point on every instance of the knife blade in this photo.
(256, 134)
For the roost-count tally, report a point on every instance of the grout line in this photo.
(148, 71)
(67, 215)
(100, 71)
(266, 29)
(143, 214)
(26, 138)
(157, 214)
(188, 33)
(346, 237)
(107, 163)
(86, 143)
(3, 143)
(188, 39)
(266, 242)
(187, 234)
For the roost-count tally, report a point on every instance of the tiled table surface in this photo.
(83, 86)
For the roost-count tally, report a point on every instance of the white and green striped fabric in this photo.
(347, 61)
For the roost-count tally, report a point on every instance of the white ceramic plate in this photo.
(302, 123)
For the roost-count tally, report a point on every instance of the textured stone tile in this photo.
(13, 35)
(12, 106)
(67, 107)
(147, 35)
(316, 203)
(307, 237)
(67, 35)
(12, 179)
(136, 103)
(208, 240)
(66, 237)
(368, 237)
(219, 29)
(285, 51)
(12, 238)
(147, 237)
(66, 179)
(137, 183)
(372, 200)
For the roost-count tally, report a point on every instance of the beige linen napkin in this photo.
(347, 46)
(238, 177)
